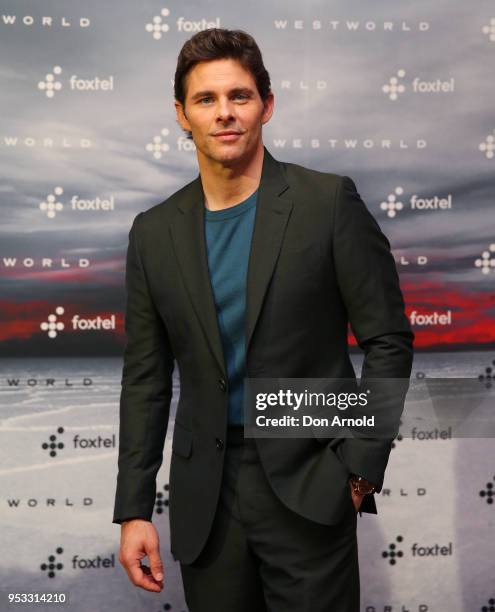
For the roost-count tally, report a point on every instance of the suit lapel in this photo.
(272, 214)
(188, 239)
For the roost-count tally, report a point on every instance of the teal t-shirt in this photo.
(228, 234)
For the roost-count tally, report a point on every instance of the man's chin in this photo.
(228, 155)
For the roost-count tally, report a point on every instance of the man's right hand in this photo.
(139, 538)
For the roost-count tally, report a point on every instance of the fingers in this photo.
(138, 540)
(151, 582)
(356, 499)
(156, 564)
(141, 576)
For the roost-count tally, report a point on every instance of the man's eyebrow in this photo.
(236, 90)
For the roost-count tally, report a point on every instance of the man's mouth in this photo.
(227, 135)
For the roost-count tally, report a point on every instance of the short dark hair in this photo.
(220, 43)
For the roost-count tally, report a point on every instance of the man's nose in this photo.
(224, 110)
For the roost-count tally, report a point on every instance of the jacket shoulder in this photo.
(299, 171)
(166, 209)
(303, 181)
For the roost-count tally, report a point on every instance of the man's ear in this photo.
(181, 116)
(268, 106)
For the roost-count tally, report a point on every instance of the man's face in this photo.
(222, 96)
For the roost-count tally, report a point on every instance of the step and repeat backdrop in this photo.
(400, 98)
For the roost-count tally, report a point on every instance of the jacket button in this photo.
(222, 384)
(219, 443)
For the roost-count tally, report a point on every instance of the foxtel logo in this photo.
(158, 146)
(158, 26)
(393, 204)
(50, 85)
(52, 326)
(396, 86)
(432, 318)
(51, 204)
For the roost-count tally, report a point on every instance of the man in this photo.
(254, 269)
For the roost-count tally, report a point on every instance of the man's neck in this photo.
(226, 186)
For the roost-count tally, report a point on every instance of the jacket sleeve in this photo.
(369, 284)
(146, 392)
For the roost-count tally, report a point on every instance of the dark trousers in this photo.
(261, 556)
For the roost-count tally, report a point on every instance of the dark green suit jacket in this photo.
(318, 261)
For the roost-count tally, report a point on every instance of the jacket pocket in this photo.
(182, 441)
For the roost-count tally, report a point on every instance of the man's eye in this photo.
(242, 96)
